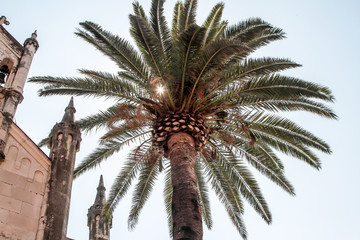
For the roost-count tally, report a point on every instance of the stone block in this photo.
(23, 222)
(8, 232)
(13, 179)
(36, 187)
(22, 194)
(5, 189)
(30, 210)
(3, 215)
(37, 200)
(10, 204)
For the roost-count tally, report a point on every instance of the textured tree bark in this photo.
(186, 210)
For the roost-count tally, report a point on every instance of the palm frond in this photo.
(265, 161)
(286, 130)
(290, 148)
(118, 49)
(203, 195)
(108, 147)
(212, 23)
(107, 88)
(187, 15)
(122, 184)
(98, 120)
(254, 32)
(272, 87)
(254, 67)
(146, 180)
(178, 8)
(139, 11)
(227, 193)
(100, 154)
(44, 142)
(127, 134)
(242, 178)
(168, 193)
(220, 30)
(160, 28)
(286, 105)
(248, 68)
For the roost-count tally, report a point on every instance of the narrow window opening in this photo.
(4, 72)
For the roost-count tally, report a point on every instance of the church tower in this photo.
(15, 61)
(64, 142)
(99, 225)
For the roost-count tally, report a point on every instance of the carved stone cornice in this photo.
(14, 95)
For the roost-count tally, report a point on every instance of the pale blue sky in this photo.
(322, 35)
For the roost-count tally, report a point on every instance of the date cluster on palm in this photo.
(172, 122)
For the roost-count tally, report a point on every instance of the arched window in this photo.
(5, 68)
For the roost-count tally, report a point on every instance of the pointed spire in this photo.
(32, 41)
(101, 182)
(69, 115)
(100, 196)
(34, 35)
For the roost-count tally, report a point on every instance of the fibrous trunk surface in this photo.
(186, 210)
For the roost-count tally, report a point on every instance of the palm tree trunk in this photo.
(186, 210)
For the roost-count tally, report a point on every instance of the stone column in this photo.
(64, 141)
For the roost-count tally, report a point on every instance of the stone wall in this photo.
(23, 177)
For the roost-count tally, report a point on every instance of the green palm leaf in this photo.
(147, 177)
(227, 193)
(139, 11)
(187, 15)
(109, 88)
(287, 130)
(286, 105)
(290, 148)
(160, 28)
(122, 184)
(97, 156)
(203, 193)
(254, 32)
(168, 193)
(242, 179)
(118, 49)
(212, 23)
(98, 120)
(178, 9)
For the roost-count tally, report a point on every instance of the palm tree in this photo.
(200, 108)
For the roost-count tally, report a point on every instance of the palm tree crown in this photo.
(200, 80)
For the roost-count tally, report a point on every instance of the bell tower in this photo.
(99, 225)
(15, 61)
(64, 142)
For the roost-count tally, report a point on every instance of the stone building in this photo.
(35, 188)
